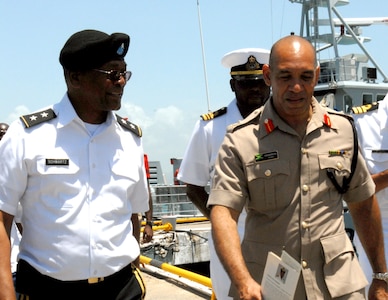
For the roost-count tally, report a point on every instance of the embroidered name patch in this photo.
(266, 156)
(57, 161)
(380, 151)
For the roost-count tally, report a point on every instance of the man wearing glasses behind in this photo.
(78, 171)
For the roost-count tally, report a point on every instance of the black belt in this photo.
(29, 279)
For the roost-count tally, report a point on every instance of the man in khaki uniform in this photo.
(277, 161)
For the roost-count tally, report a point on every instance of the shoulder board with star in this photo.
(129, 125)
(38, 117)
(365, 108)
(214, 114)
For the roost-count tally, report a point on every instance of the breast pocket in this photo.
(268, 182)
(339, 166)
(53, 165)
(377, 160)
(57, 176)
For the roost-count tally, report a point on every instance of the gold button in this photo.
(305, 225)
(304, 264)
(268, 173)
(339, 166)
(304, 151)
(305, 188)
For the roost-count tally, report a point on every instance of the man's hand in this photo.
(378, 290)
(148, 233)
(250, 291)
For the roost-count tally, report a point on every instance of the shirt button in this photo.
(305, 225)
(339, 166)
(304, 151)
(268, 173)
(305, 188)
(304, 264)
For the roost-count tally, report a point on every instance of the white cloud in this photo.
(165, 133)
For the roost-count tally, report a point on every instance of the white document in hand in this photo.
(281, 275)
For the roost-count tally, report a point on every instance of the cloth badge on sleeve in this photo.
(267, 156)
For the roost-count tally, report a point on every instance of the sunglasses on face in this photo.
(114, 75)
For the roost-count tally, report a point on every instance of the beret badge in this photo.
(121, 49)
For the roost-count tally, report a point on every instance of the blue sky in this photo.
(167, 92)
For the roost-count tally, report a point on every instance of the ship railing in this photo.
(171, 200)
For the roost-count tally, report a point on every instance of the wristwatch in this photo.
(150, 223)
(381, 276)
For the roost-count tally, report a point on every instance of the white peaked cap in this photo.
(240, 56)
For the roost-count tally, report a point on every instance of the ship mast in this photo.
(313, 28)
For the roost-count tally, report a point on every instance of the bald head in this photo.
(3, 129)
(292, 46)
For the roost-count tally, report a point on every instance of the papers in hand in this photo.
(281, 275)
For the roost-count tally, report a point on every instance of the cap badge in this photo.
(121, 49)
(252, 63)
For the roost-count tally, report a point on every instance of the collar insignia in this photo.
(269, 127)
(326, 120)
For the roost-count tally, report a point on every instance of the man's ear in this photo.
(232, 82)
(73, 78)
(266, 74)
(317, 73)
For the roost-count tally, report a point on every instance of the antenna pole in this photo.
(203, 57)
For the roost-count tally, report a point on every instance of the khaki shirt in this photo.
(292, 204)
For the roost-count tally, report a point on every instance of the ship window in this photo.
(367, 99)
(348, 104)
(380, 97)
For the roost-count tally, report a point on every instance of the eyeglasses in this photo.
(115, 75)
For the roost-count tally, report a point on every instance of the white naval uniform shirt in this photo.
(76, 217)
(197, 168)
(372, 130)
(197, 165)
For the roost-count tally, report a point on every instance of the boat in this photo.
(349, 80)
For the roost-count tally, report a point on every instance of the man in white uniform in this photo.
(77, 169)
(372, 127)
(197, 166)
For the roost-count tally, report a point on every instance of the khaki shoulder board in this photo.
(365, 108)
(38, 117)
(214, 114)
(130, 126)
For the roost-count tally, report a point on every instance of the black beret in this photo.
(89, 49)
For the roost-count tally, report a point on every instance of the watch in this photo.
(380, 276)
(150, 223)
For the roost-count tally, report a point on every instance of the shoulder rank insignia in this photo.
(214, 114)
(365, 108)
(38, 117)
(130, 126)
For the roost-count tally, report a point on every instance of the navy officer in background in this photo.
(78, 171)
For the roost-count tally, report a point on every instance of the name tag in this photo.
(266, 156)
(57, 161)
(380, 151)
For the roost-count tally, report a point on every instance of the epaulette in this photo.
(365, 108)
(253, 117)
(214, 114)
(38, 117)
(130, 126)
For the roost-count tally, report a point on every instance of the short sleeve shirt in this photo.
(197, 165)
(292, 204)
(78, 192)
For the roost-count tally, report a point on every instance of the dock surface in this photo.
(163, 286)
